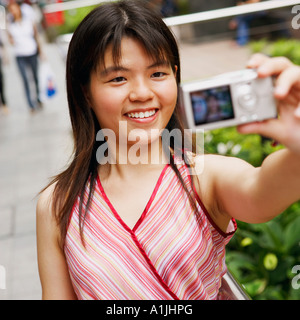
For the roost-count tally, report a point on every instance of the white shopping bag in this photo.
(46, 81)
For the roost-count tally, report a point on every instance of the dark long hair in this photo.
(105, 25)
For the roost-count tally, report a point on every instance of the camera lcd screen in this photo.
(212, 105)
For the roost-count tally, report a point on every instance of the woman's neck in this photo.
(132, 154)
(134, 160)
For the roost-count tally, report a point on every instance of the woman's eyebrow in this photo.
(112, 69)
(163, 63)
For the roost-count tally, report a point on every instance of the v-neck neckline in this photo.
(142, 216)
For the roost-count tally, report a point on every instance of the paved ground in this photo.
(35, 147)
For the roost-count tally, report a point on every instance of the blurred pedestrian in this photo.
(169, 8)
(3, 104)
(22, 33)
(166, 8)
(242, 23)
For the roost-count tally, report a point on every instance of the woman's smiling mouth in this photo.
(142, 114)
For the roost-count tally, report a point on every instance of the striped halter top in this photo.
(171, 253)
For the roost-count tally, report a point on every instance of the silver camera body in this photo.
(227, 100)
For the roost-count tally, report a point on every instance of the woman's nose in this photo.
(141, 91)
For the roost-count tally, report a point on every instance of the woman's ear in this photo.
(87, 95)
(175, 70)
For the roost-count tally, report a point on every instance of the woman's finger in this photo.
(273, 66)
(297, 112)
(267, 66)
(256, 60)
(271, 128)
(286, 80)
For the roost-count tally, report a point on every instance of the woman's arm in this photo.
(234, 188)
(38, 42)
(53, 270)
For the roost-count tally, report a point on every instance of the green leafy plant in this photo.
(262, 256)
(289, 48)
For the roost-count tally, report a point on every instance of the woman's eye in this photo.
(118, 79)
(158, 74)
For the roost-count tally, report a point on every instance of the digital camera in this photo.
(227, 100)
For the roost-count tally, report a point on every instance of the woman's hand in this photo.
(285, 129)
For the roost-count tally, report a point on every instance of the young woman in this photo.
(117, 229)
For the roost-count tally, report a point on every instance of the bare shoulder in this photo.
(216, 159)
(45, 199)
(222, 171)
(223, 165)
(44, 212)
(53, 269)
(220, 182)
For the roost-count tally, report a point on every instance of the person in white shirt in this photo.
(22, 34)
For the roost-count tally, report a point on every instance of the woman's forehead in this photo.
(131, 49)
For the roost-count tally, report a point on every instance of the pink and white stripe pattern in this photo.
(171, 253)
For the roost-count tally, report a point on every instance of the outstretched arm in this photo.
(257, 195)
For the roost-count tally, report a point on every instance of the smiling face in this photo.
(138, 90)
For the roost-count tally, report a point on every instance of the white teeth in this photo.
(141, 115)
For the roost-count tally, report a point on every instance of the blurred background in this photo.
(214, 37)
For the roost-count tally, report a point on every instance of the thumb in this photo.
(268, 128)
